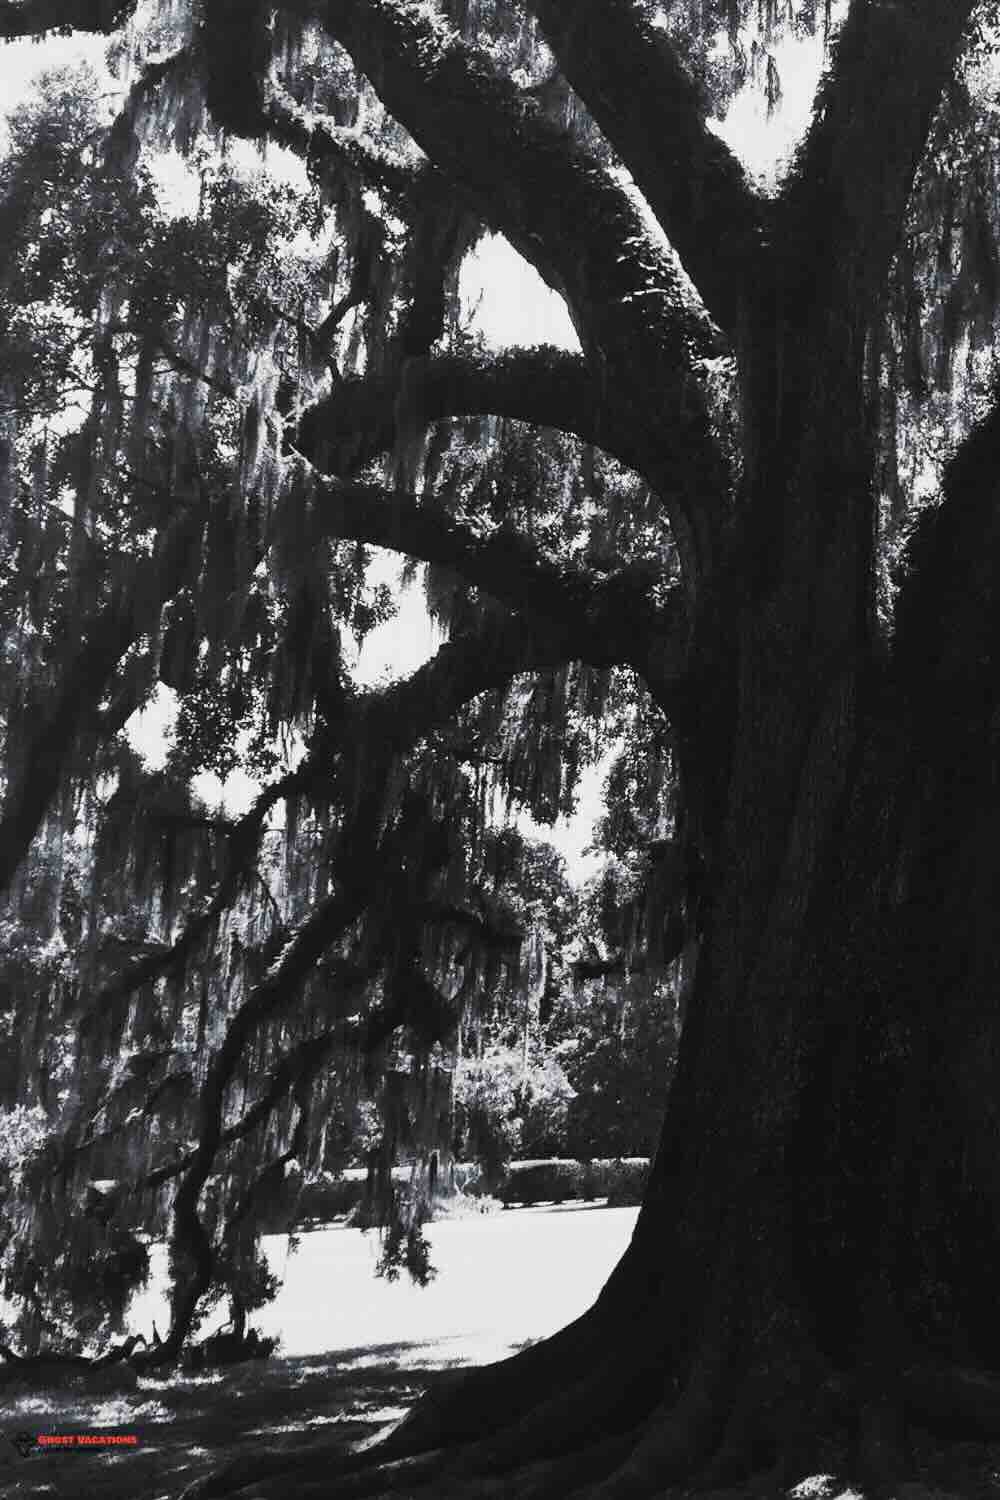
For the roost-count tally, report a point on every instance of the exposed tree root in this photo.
(608, 1401)
(569, 1473)
(57, 1369)
(780, 1423)
(481, 1402)
(676, 1444)
(539, 1481)
(758, 1434)
(314, 1479)
(254, 1473)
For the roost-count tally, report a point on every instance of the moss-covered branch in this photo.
(332, 150)
(843, 205)
(610, 616)
(59, 712)
(628, 75)
(544, 386)
(645, 334)
(242, 841)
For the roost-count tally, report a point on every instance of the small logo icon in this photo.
(24, 1442)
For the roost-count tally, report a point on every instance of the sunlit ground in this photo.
(356, 1351)
(502, 1278)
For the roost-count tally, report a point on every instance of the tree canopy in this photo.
(744, 535)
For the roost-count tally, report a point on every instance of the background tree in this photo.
(764, 384)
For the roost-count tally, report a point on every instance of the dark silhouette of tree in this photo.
(714, 503)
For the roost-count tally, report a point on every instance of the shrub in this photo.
(558, 1180)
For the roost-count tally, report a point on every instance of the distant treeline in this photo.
(519, 1183)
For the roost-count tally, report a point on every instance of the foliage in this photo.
(619, 1063)
(620, 1181)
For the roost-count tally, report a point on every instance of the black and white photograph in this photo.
(500, 749)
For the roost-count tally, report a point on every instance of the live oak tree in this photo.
(767, 386)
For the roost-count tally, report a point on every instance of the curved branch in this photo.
(845, 200)
(460, 670)
(545, 386)
(645, 334)
(611, 615)
(298, 1066)
(629, 76)
(336, 153)
(609, 619)
(243, 836)
(333, 149)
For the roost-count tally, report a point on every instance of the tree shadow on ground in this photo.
(187, 1425)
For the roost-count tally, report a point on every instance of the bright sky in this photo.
(509, 304)
(765, 143)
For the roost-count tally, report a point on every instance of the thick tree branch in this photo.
(610, 619)
(503, 939)
(843, 205)
(628, 75)
(613, 616)
(545, 386)
(332, 150)
(647, 338)
(340, 156)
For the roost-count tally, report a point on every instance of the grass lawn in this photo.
(356, 1351)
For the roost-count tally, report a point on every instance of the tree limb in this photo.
(645, 335)
(545, 386)
(843, 205)
(629, 76)
(61, 712)
(184, 366)
(242, 837)
(332, 150)
(301, 1064)
(609, 615)
(604, 620)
